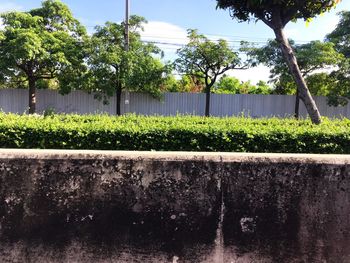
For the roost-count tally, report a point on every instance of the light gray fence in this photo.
(16, 101)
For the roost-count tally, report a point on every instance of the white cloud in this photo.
(252, 74)
(163, 31)
(168, 37)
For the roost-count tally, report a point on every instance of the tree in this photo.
(227, 85)
(205, 59)
(312, 58)
(341, 34)
(42, 44)
(340, 81)
(232, 85)
(113, 69)
(277, 14)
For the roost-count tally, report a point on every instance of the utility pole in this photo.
(127, 46)
(127, 10)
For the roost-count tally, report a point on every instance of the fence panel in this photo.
(16, 101)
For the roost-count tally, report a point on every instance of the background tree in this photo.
(340, 81)
(312, 57)
(42, 44)
(340, 94)
(277, 14)
(340, 36)
(206, 60)
(232, 85)
(113, 69)
(186, 83)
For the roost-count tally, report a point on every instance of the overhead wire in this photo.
(229, 38)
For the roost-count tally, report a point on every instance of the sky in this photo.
(168, 21)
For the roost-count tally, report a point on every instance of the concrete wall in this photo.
(16, 101)
(284, 206)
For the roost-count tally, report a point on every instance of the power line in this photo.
(232, 38)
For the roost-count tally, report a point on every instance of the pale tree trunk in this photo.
(304, 93)
(32, 95)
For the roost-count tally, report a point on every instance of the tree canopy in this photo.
(232, 85)
(316, 59)
(277, 11)
(340, 36)
(312, 57)
(113, 69)
(340, 78)
(41, 44)
(206, 59)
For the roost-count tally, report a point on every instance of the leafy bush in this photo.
(180, 133)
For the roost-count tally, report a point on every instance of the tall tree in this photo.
(206, 60)
(277, 14)
(113, 69)
(312, 57)
(41, 44)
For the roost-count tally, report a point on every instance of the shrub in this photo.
(180, 133)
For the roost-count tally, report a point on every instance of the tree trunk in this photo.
(304, 93)
(297, 105)
(207, 102)
(118, 99)
(32, 95)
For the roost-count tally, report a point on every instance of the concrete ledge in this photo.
(174, 156)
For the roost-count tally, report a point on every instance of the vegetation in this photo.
(207, 60)
(232, 85)
(312, 58)
(43, 44)
(48, 48)
(341, 34)
(276, 15)
(340, 78)
(113, 69)
(181, 133)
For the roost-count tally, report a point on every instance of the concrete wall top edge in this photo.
(173, 156)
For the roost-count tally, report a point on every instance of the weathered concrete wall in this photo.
(279, 205)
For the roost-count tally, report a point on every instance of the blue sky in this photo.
(169, 19)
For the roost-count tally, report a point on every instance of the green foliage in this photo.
(341, 34)
(340, 81)
(41, 44)
(312, 57)
(276, 15)
(340, 94)
(232, 85)
(268, 11)
(181, 133)
(112, 68)
(205, 59)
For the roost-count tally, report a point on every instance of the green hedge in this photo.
(181, 133)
